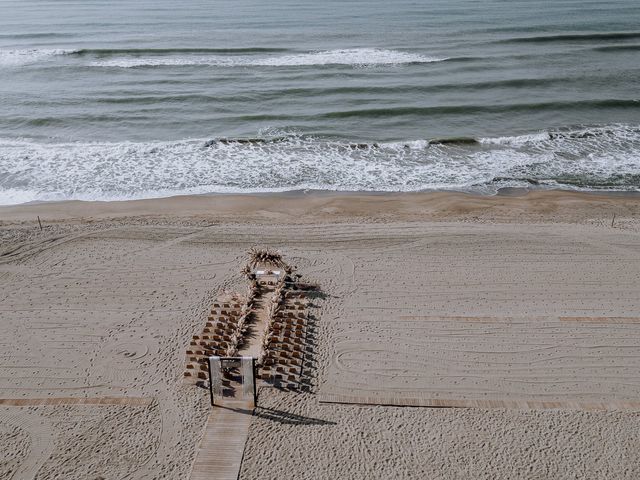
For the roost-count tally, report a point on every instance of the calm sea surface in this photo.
(132, 99)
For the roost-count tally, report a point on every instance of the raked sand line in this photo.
(41, 440)
(28, 402)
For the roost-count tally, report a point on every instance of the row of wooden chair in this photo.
(286, 343)
(214, 339)
(227, 305)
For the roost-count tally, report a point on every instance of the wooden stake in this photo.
(39, 223)
(613, 220)
(254, 371)
(210, 380)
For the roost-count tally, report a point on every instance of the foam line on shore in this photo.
(589, 158)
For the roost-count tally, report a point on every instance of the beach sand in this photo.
(435, 296)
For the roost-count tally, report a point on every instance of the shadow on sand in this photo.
(288, 418)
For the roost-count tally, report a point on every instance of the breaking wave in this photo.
(354, 56)
(606, 157)
(573, 37)
(217, 57)
(13, 58)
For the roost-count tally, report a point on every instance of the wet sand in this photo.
(427, 296)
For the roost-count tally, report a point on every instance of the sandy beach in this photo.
(517, 314)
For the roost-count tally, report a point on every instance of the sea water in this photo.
(117, 99)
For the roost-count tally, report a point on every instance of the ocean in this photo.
(112, 100)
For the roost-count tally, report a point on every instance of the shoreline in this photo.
(299, 206)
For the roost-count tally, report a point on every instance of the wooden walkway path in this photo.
(26, 402)
(222, 446)
(613, 405)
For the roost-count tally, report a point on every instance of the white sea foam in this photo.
(355, 57)
(516, 140)
(31, 171)
(15, 58)
(587, 137)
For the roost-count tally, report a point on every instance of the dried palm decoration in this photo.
(247, 271)
(267, 256)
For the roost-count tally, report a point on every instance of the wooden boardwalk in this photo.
(27, 402)
(222, 446)
(613, 405)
